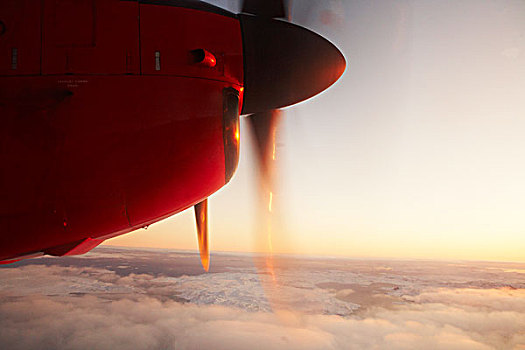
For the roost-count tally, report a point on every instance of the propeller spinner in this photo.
(285, 63)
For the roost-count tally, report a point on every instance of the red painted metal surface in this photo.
(22, 37)
(91, 147)
(174, 32)
(90, 37)
(75, 248)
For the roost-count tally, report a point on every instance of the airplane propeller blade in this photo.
(284, 64)
(264, 128)
(201, 216)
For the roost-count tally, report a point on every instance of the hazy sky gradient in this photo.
(418, 151)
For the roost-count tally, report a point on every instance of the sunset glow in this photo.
(417, 152)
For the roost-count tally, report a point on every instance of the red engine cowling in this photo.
(108, 122)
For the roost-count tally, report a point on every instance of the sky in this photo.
(417, 152)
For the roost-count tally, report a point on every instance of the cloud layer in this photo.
(49, 306)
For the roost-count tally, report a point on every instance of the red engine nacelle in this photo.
(110, 119)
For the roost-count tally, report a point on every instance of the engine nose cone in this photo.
(285, 64)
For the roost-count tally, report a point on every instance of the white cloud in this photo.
(89, 322)
(132, 312)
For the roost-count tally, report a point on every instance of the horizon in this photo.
(297, 255)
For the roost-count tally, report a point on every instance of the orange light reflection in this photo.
(269, 257)
(237, 135)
